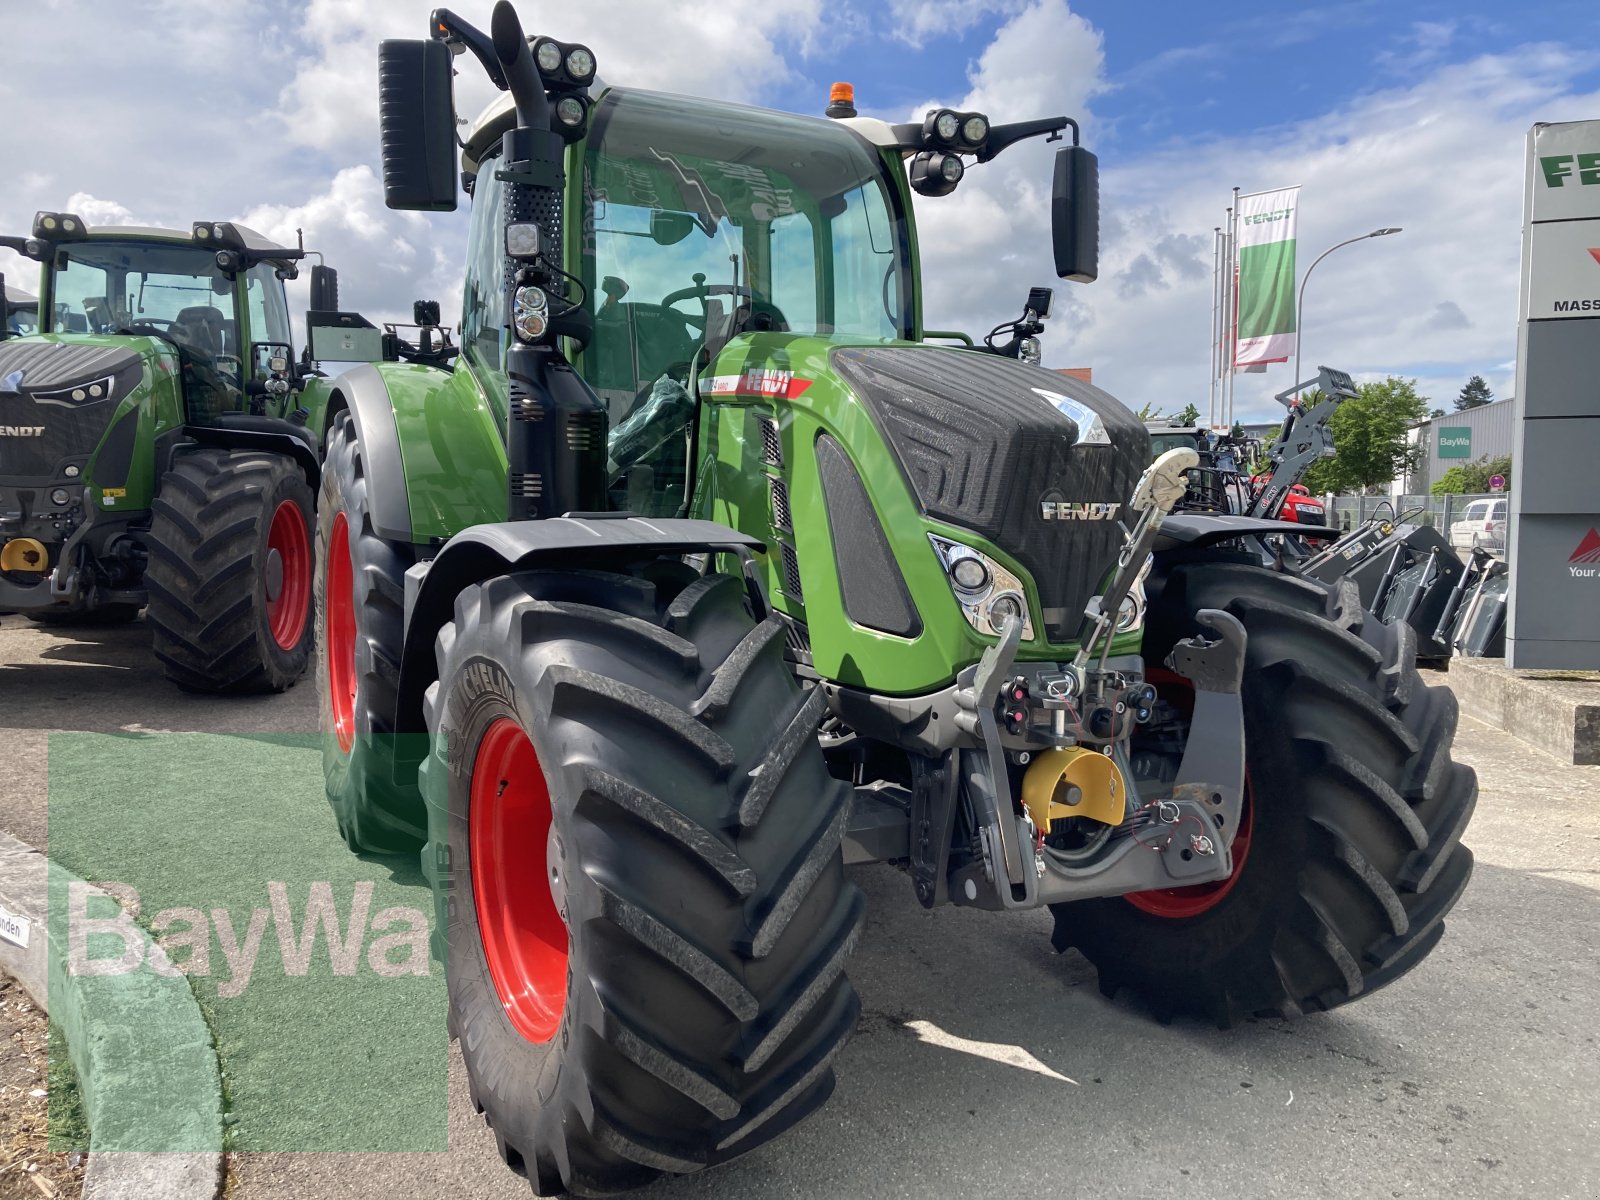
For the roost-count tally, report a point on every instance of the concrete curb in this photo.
(146, 1064)
(1556, 711)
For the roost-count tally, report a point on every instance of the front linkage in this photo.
(1068, 732)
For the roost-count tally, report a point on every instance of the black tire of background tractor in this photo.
(1355, 855)
(706, 904)
(373, 812)
(105, 614)
(207, 575)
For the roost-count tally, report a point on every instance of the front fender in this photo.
(1196, 530)
(485, 551)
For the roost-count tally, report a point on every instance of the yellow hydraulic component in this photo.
(24, 554)
(1074, 782)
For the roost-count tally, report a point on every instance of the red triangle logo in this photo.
(1588, 550)
(1594, 252)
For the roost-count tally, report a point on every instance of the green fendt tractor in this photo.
(648, 644)
(153, 448)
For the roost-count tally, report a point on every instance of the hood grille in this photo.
(982, 450)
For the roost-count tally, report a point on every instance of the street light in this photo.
(1300, 302)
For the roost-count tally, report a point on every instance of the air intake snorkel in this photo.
(557, 426)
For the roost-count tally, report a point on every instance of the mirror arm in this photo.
(1002, 136)
(452, 30)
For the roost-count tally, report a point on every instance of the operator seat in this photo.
(199, 328)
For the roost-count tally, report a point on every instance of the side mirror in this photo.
(416, 114)
(324, 289)
(1075, 215)
(670, 228)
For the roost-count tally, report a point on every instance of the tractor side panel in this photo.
(787, 454)
(450, 441)
(126, 467)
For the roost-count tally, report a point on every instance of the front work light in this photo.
(523, 240)
(936, 173)
(580, 64)
(53, 227)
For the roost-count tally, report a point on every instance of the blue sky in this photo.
(1404, 112)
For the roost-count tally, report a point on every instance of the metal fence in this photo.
(1346, 512)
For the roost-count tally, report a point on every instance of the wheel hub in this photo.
(274, 575)
(286, 575)
(520, 912)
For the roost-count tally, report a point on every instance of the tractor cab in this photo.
(211, 299)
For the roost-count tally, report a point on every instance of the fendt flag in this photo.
(1264, 327)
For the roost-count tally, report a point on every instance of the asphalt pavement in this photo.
(986, 1064)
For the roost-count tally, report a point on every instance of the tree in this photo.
(1149, 413)
(1189, 416)
(1475, 394)
(1437, 413)
(1472, 478)
(1369, 438)
(1237, 432)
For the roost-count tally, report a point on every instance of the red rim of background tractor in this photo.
(341, 634)
(1178, 904)
(287, 612)
(525, 940)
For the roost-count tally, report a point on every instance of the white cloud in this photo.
(730, 51)
(1442, 158)
(100, 212)
(916, 21)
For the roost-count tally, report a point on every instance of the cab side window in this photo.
(269, 311)
(483, 330)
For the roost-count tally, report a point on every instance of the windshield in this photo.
(710, 220)
(174, 292)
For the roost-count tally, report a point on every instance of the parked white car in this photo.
(1483, 523)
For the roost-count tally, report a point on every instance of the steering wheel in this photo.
(701, 291)
(145, 326)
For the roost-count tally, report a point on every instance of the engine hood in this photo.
(1038, 463)
(57, 397)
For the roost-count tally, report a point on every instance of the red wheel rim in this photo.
(1178, 903)
(525, 941)
(340, 634)
(287, 611)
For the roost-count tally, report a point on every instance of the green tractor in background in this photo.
(154, 449)
(645, 645)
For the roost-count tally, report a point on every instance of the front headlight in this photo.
(530, 312)
(79, 393)
(986, 591)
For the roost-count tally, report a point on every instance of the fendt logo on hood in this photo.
(21, 430)
(1077, 510)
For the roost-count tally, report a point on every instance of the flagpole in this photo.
(1223, 317)
(1233, 288)
(1216, 285)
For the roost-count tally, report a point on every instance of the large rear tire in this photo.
(635, 851)
(1349, 854)
(360, 603)
(229, 576)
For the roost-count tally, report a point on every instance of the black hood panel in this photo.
(984, 450)
(37, 433)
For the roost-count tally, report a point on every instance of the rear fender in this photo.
(271, 435)
(587, 541)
